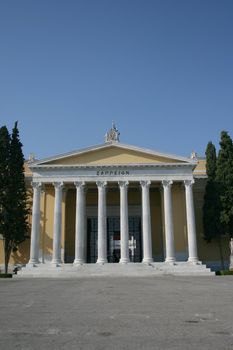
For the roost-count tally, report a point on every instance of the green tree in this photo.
(211, 160)
(4, 183)
(224, 176)
(211, 208)
(211, 201)
(14, 227)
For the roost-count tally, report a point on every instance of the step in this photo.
(131, 269)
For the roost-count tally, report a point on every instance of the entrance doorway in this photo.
(113, 239)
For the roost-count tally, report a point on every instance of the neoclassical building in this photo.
(117, 204)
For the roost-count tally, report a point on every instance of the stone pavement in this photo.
(161, 312)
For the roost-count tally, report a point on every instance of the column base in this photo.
(56, 263)
(102, 261)
(33, 263)
(124, 261)
(147, 260)
(78, 262)
(171, 261)
(194, 261)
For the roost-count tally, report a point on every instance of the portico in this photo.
(113, 203)
(162, 172)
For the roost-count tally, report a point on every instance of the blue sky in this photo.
(161, 69)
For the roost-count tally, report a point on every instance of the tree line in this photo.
(218, 199)
(13, 196)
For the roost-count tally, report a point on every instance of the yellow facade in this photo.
(208, 252)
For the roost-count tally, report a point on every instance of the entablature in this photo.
(113, 173)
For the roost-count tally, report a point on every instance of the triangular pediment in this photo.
(111, 154)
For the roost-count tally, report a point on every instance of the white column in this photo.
(168, 218)
(56, 260)
(80, 224)
(63, 235)
(146, 222)
(191, 228)
(124, 221)
(102, 223)
(35, 232)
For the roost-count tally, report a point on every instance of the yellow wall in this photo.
(207, 251)
(70, 223)
(156, 224)
(46, 241)
(200, 169)
(179, 219)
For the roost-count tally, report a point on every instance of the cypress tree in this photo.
(4, 185)
(211, 198)
(211, 160)
(211, 208)
(14, 225)
(224, 175)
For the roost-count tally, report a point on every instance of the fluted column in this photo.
(124, 222)
(146, 222)
(168, 218)
(102, 223)
(80, 224)
(56, 260)
(35, 232)
(191, 228)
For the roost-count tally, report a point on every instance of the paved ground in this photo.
(117, 313)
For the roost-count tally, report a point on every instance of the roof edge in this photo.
(108, 145)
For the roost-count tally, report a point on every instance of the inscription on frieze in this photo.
(112, 172)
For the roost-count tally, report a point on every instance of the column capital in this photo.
(79, 184)
(189, 183)
(145, 183)
(37, 185)
(123, 184)
(58, 185)
(167, 183)
(101, 184)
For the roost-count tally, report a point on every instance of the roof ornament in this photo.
(113, 134)
(193, 155)
(31, 158)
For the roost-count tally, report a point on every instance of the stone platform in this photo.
(115, 270)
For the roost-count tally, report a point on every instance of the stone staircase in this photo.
(114, 270)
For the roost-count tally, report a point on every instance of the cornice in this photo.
(200, 176)
(104, 166)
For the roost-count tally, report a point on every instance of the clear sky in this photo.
(161, 69)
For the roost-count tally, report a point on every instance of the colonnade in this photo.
(80, 224)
